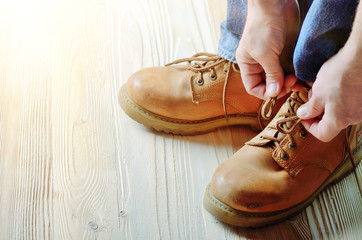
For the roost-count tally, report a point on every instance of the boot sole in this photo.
(239, 218)
(179, 126)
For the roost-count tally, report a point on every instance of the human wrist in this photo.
(354, 42)
(269, 5)
(272, 10)
(264, 7)
(353, 47)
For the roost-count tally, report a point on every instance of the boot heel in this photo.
(357, 154)
(342, 171)
(347, 167)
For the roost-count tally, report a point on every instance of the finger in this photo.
(252, 77)
(274, 76)
(291, 84)
(312, 109)
(282, 93)
(310, 125)
(254, 85)
(323, 129)
(297, 87)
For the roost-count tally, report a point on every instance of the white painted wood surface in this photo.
(74, 166)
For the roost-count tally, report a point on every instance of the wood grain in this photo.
(217, 11)
(74, 166)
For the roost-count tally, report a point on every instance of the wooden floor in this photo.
(74, 166)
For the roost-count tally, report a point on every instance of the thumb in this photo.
(274, 78)
(311, 109)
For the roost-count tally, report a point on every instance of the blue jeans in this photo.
(325, 29)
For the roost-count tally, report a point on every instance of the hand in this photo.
(335, 99)
(267, 26)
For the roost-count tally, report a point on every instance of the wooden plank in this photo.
(26, 150)
(217, 11)
(73, 165)
(358, 172)
(85, 146)
(337, 212)
(61, 156)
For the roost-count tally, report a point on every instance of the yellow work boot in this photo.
(280, 171)
(204, 94)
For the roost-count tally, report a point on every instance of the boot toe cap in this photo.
(140, 85)
(247, 188)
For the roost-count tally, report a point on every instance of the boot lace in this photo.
(203, 62)
(287, 123)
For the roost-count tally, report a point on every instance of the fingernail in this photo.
(302, 112)
(272, 89)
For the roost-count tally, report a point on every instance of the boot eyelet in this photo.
(225, 71)
(303, 134)
(261, 138)
(284, 156)
(268, 128)
(199, 82)
(212, 77)
(292, 146)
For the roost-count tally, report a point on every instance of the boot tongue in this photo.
(303, 95)
(289, 109)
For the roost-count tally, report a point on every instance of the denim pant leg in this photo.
(232, 28)
(325, 30)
